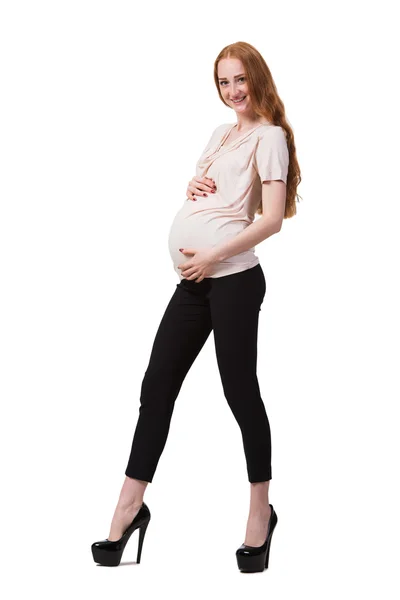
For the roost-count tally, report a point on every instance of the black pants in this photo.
(229, 306)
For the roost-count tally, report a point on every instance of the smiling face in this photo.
(233, 85)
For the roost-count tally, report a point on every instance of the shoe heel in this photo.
(142, 532)
(267, 557)
(269, 541)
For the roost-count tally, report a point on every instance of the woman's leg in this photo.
(235, 303)
(129, 503)
(182, 332)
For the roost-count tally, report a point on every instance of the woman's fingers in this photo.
(207, 183)
(200, 186)
(191, 192)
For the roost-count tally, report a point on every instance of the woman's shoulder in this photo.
(268, 126)
(222, 127)
(271, 131)
(219, 130)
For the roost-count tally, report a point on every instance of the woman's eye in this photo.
(240, 78)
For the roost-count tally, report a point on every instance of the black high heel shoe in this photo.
(252, 559)
(109, 553)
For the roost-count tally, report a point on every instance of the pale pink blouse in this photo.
(238, 169)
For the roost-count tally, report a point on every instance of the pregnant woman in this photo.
(247, 167)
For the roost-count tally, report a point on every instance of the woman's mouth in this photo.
(239, 100)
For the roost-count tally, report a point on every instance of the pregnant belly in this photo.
(203, 225)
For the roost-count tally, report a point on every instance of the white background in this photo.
(105, 107)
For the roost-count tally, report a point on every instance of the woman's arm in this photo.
(270, 222)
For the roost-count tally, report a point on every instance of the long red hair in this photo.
(265, 103)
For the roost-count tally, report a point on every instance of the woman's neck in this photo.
(244, 125)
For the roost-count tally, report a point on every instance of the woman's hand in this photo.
(199, 186)
(200, 266)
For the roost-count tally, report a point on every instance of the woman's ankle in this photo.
(132, 493)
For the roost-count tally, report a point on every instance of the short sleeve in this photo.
(272, 155)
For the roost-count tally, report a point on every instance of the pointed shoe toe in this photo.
(109, 553)
(254, 559)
